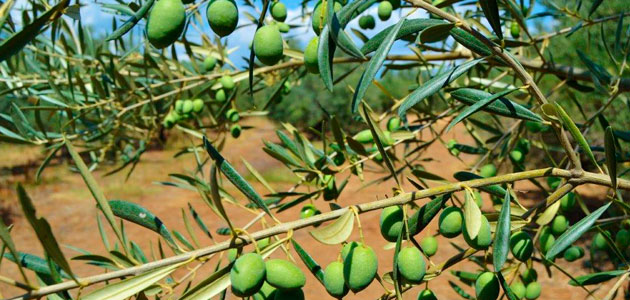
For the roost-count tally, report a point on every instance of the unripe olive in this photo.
(487, 286)
(546, 240)
(222, 16)
(429, 245)
(289, 295)
(220, 95)
(393, 124)
(367, 22)
(179, 104)
(573, 253)
(232, 115)
(227, 82)
(268, 45)
(517, 156)
(279, 11)
(310, 56)
(359, 267)
(263, 243)
(559, 225)
(567, 202)
(286, 87)
(427, 294)
(518, 289)
(622, 239)
(187, 107)
(166, 22)
(553, 182)
(524, 145)
(247, 275)
(529, 275)
(599, 242)
(484, 237)
(384, 10)
(231, 254)
(451, 146)
(364, 136)
(391, 222)
(176, 116)
(488, 170)
(411, 264)
(388, 140)
(235, 131)
(209, 63)
(515, 30)
(283, 27)
(333, 280)
(308, 211)
(521, 245)
(197, 105)
(284, 275)
(450, 222)
(532, 291)
(318, 12)
(168, 122)
(347, 247)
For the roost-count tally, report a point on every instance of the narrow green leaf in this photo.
(374, 65)
(43, 231)
(500, 248)
(47, 160)
(376, 132)
(477, 106)
(499, 106)
(434, 84)
(7, 241)
(611, 156)
(199, 221)
(598, 71)
(594, 6)
(139, 215)
(34, 263)
(575, 232)
(216, 197)
(617, 48)
(137, 16)
(472, 215)
(131, 286)
(575, 132)
(506, 287)
(338, 35)
(495, 189)
(308, 260)
(596, 278)
(491, 11)
(336, 232)
(436, 32)
(421, 218)
(236, 179)
(18, 40)
(103, 205)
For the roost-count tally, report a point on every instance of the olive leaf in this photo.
(611, 156)
(336, 232)
(575, 232)
(436, 32)
(481, 104)
(129, 24)
(379, 138)
(234, 177)
(547, 216)
(43, 231)
(506, 287)
(575, 132)
(434, 84)
(596, 278)
(139, 215)
(374, 65)
(495, 189)
(502, 236)
(490, 9)
(499, 105)
(308, 260)
(472, 215)
(421, 218)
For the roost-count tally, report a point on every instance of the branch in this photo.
(586, 177)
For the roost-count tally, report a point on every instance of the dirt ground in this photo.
(63, 199)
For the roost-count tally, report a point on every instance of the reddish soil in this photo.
(63, 199)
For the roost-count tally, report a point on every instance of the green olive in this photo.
(166, 23)
(559, 225)
(427, 294)
(279, 11)
(333, 280)
(268, 45)
(532, 291)
(310, 56)
(487, 286)
(429, 245)
(360, 267)
(384, 10)
(411, 264)
(521, 245)
(450, 222)
(222, 16)
(489, 170)
(247, 275)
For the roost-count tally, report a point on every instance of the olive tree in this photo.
(486, 67)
